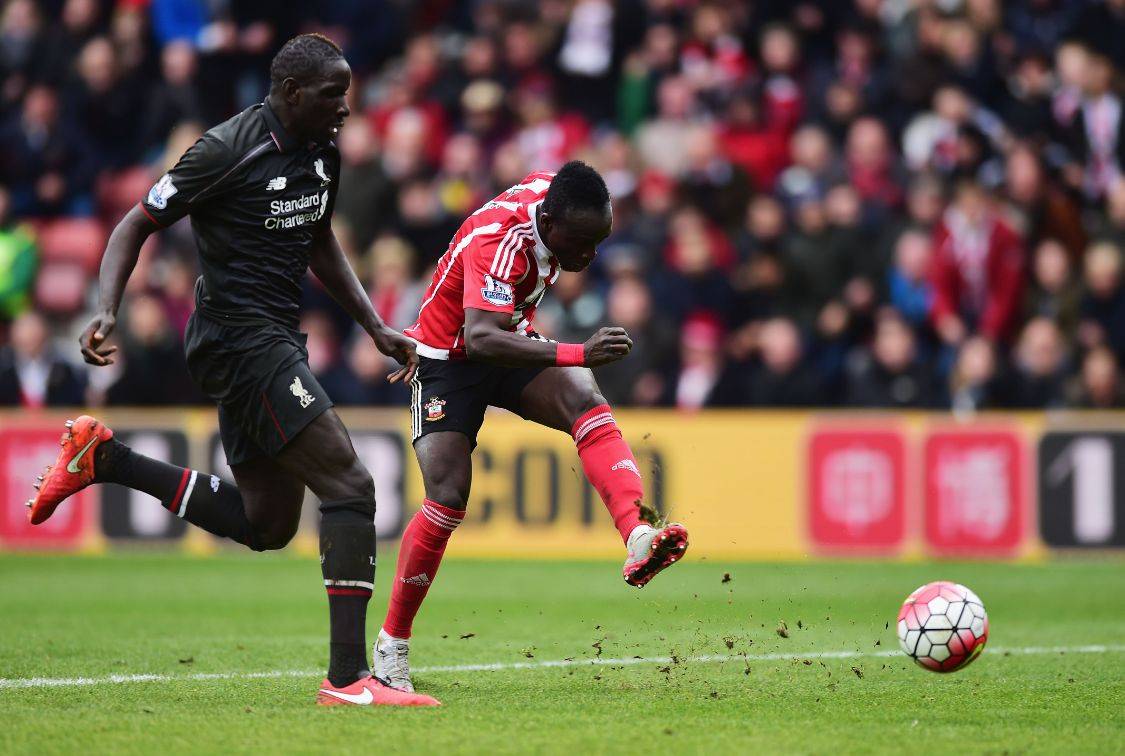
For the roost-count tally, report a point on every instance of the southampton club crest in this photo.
(435, 409)
(302, 393)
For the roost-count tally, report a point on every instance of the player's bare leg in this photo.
(447, 472)
(272, 498)
(322, 454)
(567, 399)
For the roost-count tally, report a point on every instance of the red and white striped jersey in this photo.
(497, 262)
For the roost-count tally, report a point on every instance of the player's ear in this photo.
(291, 91)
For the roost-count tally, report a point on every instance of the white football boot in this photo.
(651, 550)
(391, 661)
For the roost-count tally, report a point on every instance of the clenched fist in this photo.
(607, 345)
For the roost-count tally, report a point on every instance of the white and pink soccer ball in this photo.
(942, 626)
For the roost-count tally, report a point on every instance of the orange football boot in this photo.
(370, 691)
(72, 471)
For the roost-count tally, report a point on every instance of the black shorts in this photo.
(452, 395)
(260, 378)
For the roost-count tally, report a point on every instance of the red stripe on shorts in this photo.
(269, 409)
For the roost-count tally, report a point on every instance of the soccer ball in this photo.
(942, 626)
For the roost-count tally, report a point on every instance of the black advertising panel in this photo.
(1081, 478)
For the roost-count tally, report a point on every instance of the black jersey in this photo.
(257, 199)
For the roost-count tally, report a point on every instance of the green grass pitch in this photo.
(207, 623)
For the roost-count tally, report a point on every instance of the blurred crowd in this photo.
(874, 203)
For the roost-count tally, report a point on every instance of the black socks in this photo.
(201, 499)
(347, 540)
(347, 560)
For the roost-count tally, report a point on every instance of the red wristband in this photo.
(570, 355)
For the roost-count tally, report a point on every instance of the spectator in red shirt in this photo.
(977, 270)
(783, 101)
(762, 152)
(546, 135)
(713, 58)
(409, 92)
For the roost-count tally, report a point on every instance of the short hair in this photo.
(576, 186)
(301, 58)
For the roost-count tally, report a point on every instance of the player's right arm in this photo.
(487, 340)
(194, 179)
(121, 253)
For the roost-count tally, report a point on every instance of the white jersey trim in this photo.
(433, 353)
(541, 252)
(506, 253)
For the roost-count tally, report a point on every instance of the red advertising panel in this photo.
(975, 492)
(24, 452)
(856, 489)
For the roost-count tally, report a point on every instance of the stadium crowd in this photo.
(878, 203)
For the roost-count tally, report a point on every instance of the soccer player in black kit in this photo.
(259, 189)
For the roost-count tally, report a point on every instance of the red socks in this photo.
(423, 544)
(610, 467)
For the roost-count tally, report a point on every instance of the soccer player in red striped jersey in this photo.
(477, 348)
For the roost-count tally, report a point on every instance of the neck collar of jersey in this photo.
(540, 247)
(282, 138)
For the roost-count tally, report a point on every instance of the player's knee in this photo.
(356, 492)
(593, 399)
(360, 484)
(341, 475)
(448, 490)
(448, 497)
(578, 403)
(273, 536)
(363, 506)
(448, 486)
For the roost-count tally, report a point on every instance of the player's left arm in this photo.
(492, 271)
(329, 263)
(488, 340)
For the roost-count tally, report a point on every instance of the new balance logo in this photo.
(627, 464)
(422, 580)
(276, 184)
